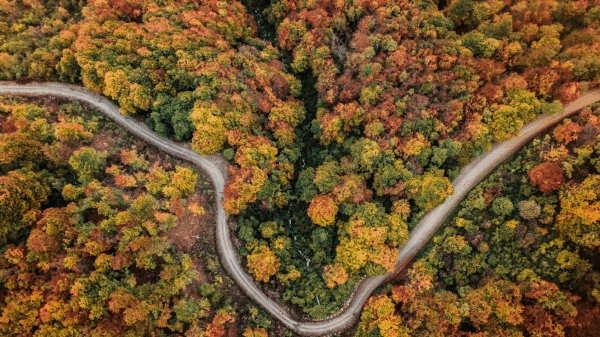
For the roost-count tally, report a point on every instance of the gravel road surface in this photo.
(470, 176)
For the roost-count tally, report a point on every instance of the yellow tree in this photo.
(116, 86)
(505, 123)
(241, 187)
(71, 132)
(255, 332)
(21, 195)
(379, 315)
(263, 263)
(210, 134)
(334, 275)
(86, 162)
(429, 190)
(322, 210)
(579, 217)
(256, 152)
(352, 255)
(183, 182)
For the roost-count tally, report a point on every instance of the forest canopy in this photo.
(344, 122)
(90, 231)
(518, 258)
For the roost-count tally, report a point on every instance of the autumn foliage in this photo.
(86, 233)
(496, 308)
(242, 187)
(494, 271)
(263, 263)
(547, 176)
(322, 210)
(344, 124)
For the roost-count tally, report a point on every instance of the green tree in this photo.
(502, 206)
(87, 162)
(428, 190)
(22, 194)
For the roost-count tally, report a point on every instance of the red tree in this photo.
(547, 176)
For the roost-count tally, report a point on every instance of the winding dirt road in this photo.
(423, 231)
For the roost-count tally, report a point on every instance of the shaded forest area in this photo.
(343, 126)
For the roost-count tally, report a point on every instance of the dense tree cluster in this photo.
(408, 75)
(407, 94)
(85, 233)
(34, 37)
(196, 71)
(518, 257)
(495, 308)
(342, 131)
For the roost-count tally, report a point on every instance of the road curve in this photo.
(470, 176)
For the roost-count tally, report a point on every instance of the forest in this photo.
(98, 233)
(343, 122)
(520, 257)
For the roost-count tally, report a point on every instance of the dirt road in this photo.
(213, 166)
